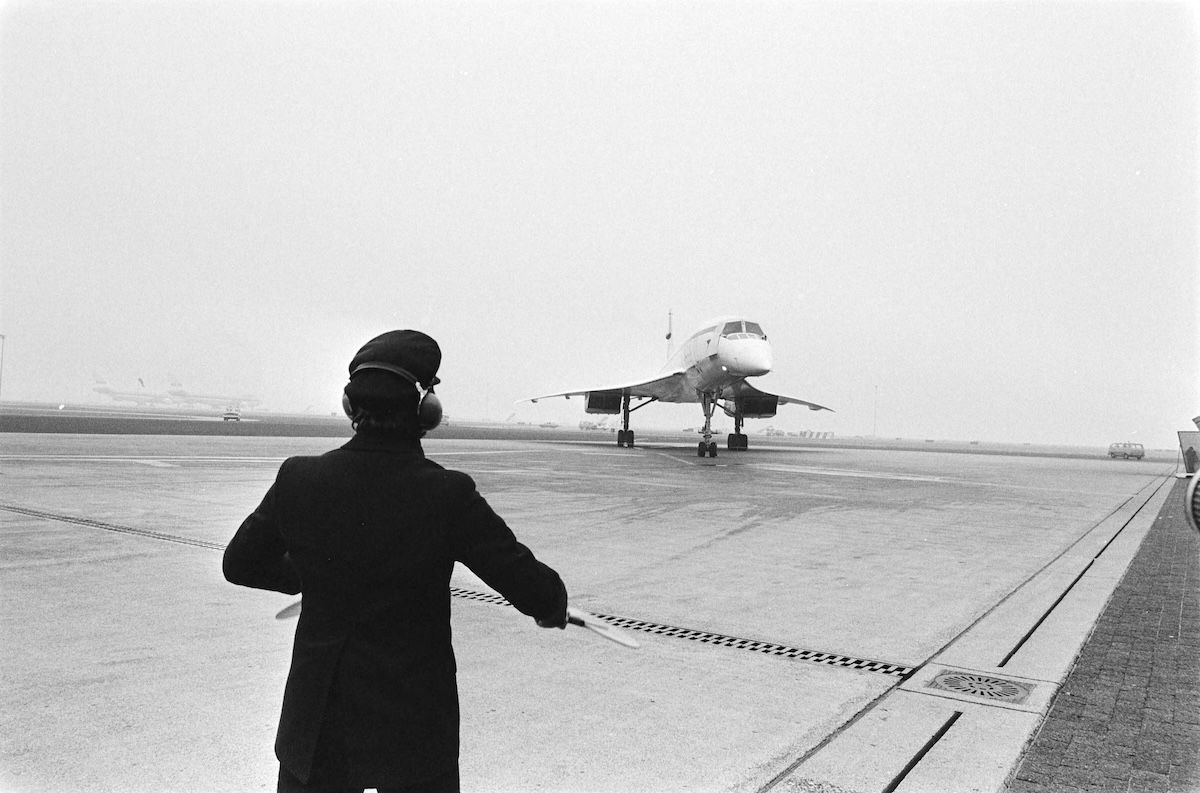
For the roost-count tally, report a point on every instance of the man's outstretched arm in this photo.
(257, 557)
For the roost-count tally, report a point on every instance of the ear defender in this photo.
(429, 409)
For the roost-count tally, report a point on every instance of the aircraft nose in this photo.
(751, 357)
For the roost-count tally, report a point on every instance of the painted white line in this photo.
(943, 480)
(803, 469)
(672, 457)
(127, 458)
(202, 458)
(439, 453)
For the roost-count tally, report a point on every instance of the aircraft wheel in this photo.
(620, 437)
(629, 438)
(712, 449)
(702, 449)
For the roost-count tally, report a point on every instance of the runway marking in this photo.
(115, 527)
(129, 458)
(942, 480)
(721, 640)
(677, 459)
(804, 469)
(205, 458)
(479, 453)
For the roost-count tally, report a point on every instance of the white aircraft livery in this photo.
(136, 397)
(710, 368)
(228, 402)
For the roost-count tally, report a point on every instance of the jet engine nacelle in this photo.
(758, 407)
(603, 402)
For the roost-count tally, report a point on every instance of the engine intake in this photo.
(603, 402)
(758, 407)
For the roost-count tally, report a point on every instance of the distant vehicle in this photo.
(231, 415)
(1126, 450)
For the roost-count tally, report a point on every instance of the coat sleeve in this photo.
(257, 556)
(483, 542)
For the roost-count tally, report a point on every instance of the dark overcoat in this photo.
(370, 533)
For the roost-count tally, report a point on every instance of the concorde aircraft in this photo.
(710, 368)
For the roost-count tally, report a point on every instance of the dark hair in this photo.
(402, 424)
(396, 416)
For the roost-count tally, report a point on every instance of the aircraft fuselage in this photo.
(720, 354)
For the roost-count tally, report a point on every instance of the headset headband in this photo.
(396, 370)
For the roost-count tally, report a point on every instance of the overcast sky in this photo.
(954, 221)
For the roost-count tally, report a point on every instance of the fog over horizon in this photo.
(961, 221)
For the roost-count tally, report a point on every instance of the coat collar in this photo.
(384, 443)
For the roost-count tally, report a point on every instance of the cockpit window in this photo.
(742, 330)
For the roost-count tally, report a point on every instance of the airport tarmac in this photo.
(810, 619)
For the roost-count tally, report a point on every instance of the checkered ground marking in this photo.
(628, 623)
(720, 640)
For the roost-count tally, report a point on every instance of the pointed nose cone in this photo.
(750, 357)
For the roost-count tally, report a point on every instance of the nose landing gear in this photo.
(707, 446)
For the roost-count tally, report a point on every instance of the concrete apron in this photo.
(961, 721)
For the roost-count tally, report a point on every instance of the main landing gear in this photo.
(737, 441)
(625, 435)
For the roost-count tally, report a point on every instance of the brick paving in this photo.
(1128, 716)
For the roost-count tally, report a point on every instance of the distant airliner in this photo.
(710, 368)
(136, 397)
(231, 403)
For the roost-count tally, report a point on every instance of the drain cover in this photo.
(996, 689)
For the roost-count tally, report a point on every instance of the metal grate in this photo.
(994, 688)
(721, 640)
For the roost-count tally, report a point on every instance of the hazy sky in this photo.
(954, 220)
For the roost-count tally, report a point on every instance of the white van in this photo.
(1126, 450)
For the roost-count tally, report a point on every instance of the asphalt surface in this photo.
(1128, 716)
(801, 611)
